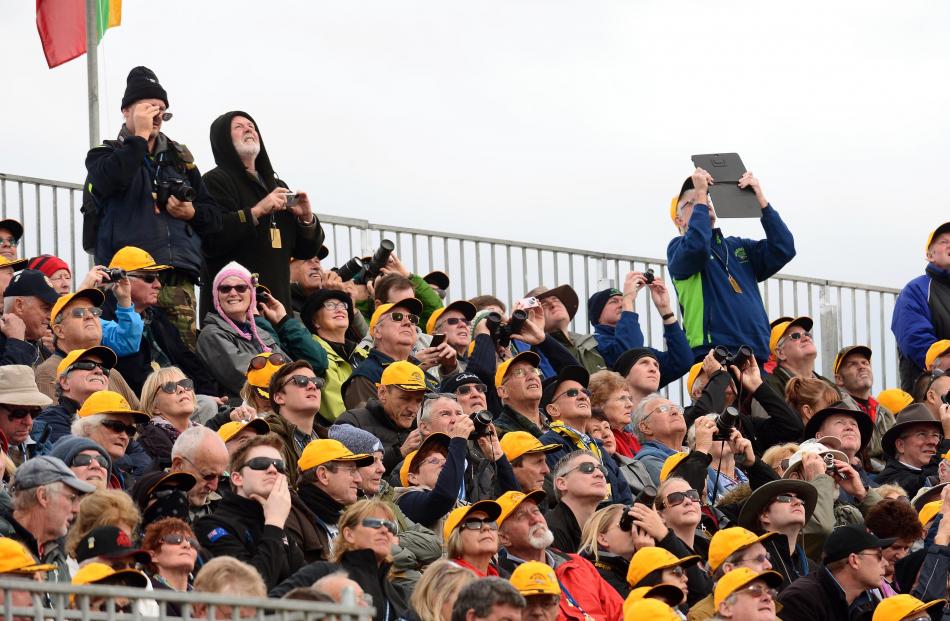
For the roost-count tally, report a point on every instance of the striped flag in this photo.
(62, 26)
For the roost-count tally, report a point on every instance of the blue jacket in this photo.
(619, 488)
(54, 422)
(653, 454)
(125, 333)
(614, 340)
(713, 312)
(912, 322)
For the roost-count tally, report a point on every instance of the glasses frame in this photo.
(255, 464)
(117, 426)
(170, 388)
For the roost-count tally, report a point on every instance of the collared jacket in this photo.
(583, 348)
(701, 262)
(831, 512)
(818, 597)
(909, 478)
(286, 431)
(571, 440)
(17, 351)
(374, 419)
(54, 422)
(652, 454)
(512, 420)
(614, 340)
(921, 317)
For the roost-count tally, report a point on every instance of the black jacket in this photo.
(613, 569)
(817, 597)
(791, 566)
(905, 476)
(236, 528)
(563, 525)
(374, 419)
(16, 351)
(54, 422)
(242, 239)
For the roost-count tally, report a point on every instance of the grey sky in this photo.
(567, 123)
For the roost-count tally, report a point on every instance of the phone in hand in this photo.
(437, 339)
(263, 294)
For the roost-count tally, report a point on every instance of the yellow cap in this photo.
(670, 464)
(779, 330)
(109, 402)
(673, 210)
(260, 378)
(692, 375)
(93, 295)
(526, 356)
(728, 541)
(940, 230)
(411, 305)
(534, 578)
(229, 430)
(935, 351)
(509, 501)
(403, 375)
(320, 452)
(897, 607)
(94, 573)
(16, 559)
(463, 306)
(669, 594)
(648, 608)
(433, 438)
(106, 355)
(894, 399)
(491, 508)
(16, 264)
(741, 577)
(650, 559)
(929, 511)
(514, 444)
(132, 259)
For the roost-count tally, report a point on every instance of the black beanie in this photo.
(142, 83)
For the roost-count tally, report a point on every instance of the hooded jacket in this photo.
(242, 238)
(921, 316)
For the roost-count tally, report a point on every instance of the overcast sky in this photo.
(565, 123)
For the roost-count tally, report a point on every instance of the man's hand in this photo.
(277, 504)
(242, 412)
(944, 415)
(748, 181)
(123, 292)
(12, 326)
(711, 366)
(332, 280)
(943, 531)
(489, 445)
(413, 442)
(275, 201)
(850, 480)
(94, 278)
(428, 357)
(750, 376)
(272, 310)
(741, 448)
(447, 358)
(632, 283)
(812, 466)
(532, 331)
(394, 265)
(705, 430)
(701, 182)
(649, 521)
(462, 428)
(180, 210)
(661, 298)
(143, 119)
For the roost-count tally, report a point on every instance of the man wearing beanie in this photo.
(617, 325)
(88, 461)
(128, 180)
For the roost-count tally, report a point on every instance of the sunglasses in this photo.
(588, 467)
(303, 380)
(572, 393)
(81, 461)
(263, 463)
(177, 539)
(758, 590)
(479, 524)
(796, 336)
(677, 571)
(88, 365)
(377, 523)
(788, 499)
(675, 499)
(172, 387)
(399, 317)
(81, 312)
(146, 278)
(467, 388)
(454, 321)
(226, 289)
(259, 362)
(119, 427)
(19, 413)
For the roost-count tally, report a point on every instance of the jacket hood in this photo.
(227, 157)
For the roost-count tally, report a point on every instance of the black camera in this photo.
(379, 260)
(738, 359)
(725, 423)
(647, 496)
(114, 274)
(649, 276)
(179, 188)
(501, 333)
(349, 270)
(263, 295)
(481, 420)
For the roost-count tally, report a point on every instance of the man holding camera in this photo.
(147, 192)
(559, 305)
(264, 225)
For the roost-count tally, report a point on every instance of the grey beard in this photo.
(541, 540)
(247, 149)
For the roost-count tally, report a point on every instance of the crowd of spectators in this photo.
(309, 433)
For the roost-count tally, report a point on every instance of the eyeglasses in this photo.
(454, 321)
(434, 461)
(479, 524)
(467, 388)
(588, 467)
(259, 362)
(226, 289)
(573, 393)
(334, 305)
(18, 413)
(760, 558)
(923, 436)
(118, 426)
(263, 463)
(789, 499)
(758, 590)
(303, 380)
(666, 408)
(172, 387)
(399, 317)
(877, 554)
(81, 461)
(146, 278)
(177, 539)
(677, 571)
(675, 499)
(81, 312)
(523, 372)
(208, 477)
(87, 365)
(377, 523)
(10, 241)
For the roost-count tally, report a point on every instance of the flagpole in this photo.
(92, 71)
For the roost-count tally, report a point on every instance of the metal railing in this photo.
(844, 313)
(25, 599)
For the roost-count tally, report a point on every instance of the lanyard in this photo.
(724, 261)
(572, 601)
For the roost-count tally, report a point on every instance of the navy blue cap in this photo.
(597, 302)
(32, 283)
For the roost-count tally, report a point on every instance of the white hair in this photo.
(640, 413)
(190, 441)
(8, 303)
(83, 425)
(429, 403)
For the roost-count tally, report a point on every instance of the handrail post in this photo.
(830, 339)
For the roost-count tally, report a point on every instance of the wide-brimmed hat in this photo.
(765, 494)
(811, 446)
(18, 387)
(315, 302)
(565, 293)
(865, 425)
(915, 414)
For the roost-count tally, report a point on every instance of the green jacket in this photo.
(338, 371)
(584, 349)
(831, 513)
(296, 341)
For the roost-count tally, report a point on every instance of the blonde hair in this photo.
(154, 382)
(226, 574)
(440, 581)
(253, 398)
(104, 507)
(597, 525)
(809, 391)
(351, 517)
(603, 384)
(891, 488)
(661, 492)
(774, 455)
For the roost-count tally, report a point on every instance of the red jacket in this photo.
(583, 590)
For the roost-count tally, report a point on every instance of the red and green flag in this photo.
(62, 26)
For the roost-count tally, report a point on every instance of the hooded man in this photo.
(265, 225)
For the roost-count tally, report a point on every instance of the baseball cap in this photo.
(154, 482)
(514, 444)
(571, 372)
(109, 402)
(453, 382)
(403, 375)
(455, 517)
(43, 470)
(929, 511)
(534, 578)
(670, 464)
(132, 259)
(32, 283)
(648, 608)
(779, 329)
(16, 229)
(93, 295)
(597, 302)
(437, 278)
(16, 559)
(850, 539)
(692, 375)
(897, 607)
(320, 452)
(852, 349)
(630, 357)
(463, 306)
(526, 356)
(650, 558)
(668, 593)
(106, 355)
(740, 578)
(100, 573)
(411, 305)
(437, 438)
(894, 399)
(728, 541)
(229, 430)
(509, 501)
(937, 232)
(15, 264)
(260, 378)
(935, 351)
(109, 542)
